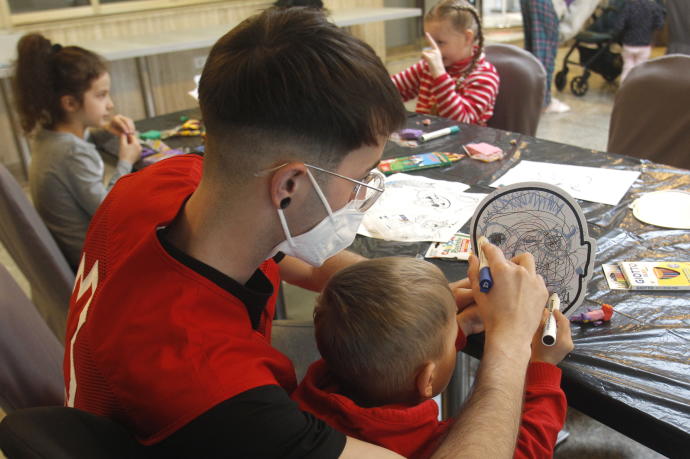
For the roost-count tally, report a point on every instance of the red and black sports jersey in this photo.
(150, 341)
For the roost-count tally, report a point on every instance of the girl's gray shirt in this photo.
(66, 183)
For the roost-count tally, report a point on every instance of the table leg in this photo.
(19, 139)
(145, 85)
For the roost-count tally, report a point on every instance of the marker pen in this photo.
(549, 335)
(485, 279)
(440, 133)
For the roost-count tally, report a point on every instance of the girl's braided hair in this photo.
(463, 16)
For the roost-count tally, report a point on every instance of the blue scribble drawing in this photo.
(545, 221)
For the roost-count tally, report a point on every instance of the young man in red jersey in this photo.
(170, 319)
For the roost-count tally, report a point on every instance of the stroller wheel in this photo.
(561, 79)
(579, 86)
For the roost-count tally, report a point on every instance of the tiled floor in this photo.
(586, 125)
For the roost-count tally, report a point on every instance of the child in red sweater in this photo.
(388, 350)
(453, 79)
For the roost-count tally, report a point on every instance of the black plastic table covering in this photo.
(633, 373)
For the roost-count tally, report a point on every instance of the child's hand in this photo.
(130, 149)
(434, 58)
(120, 124)
(512, 309)
(470, 321)
(564, 341)
(462, 292)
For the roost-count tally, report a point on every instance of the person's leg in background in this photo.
(627, 53)
(632, 56)
(526, 10)
(541, 39)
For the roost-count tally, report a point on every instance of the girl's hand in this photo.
(433, 58)
(120, 124)
(130, 149)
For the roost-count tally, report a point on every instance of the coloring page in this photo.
(415, 208)
(547, 222)
(607, 186)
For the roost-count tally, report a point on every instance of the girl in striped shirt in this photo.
(453, 79)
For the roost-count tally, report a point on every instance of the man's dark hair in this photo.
(291, 3)
(290, 79)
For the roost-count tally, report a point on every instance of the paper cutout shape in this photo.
(546, 221)
(666, 208)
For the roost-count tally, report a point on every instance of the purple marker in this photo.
(485, 279)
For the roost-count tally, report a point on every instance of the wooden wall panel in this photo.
(172, 77)
(125, 89)
(8, 150)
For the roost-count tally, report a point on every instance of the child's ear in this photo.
(469, 36)
(69, 103)
(425, 379)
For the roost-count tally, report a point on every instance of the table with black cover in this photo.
(633, 373)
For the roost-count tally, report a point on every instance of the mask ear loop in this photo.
(286, 230)
(320, 194)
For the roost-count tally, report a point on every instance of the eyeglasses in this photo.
(364, 194)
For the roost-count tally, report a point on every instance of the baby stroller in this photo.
(594, 48)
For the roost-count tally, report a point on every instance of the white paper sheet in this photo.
(415, 208)
(607, 186)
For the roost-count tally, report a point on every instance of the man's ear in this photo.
(425, 379)
(285, 183)
(69, 103)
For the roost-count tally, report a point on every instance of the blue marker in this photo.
(485, 279)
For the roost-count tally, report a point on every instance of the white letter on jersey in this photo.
(90, 282)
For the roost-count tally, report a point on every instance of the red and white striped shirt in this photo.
(470, 100)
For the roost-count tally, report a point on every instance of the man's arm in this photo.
(488, 424)
(358, 449)
(297, 272)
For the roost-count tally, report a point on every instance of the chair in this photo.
(650, 117)
(521, 90)
(31, 355)
(34, 250)
(295, 338)
(59, 432)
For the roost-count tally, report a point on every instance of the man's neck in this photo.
(233, 245)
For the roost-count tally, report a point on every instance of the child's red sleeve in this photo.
(543, 414)
(460, 341)
(408, 81)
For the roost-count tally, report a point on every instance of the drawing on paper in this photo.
(416, 208)
(545, 221)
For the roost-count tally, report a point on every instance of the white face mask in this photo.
(333, 234)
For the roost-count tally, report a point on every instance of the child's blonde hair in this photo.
(377, 322)
(463, 16)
